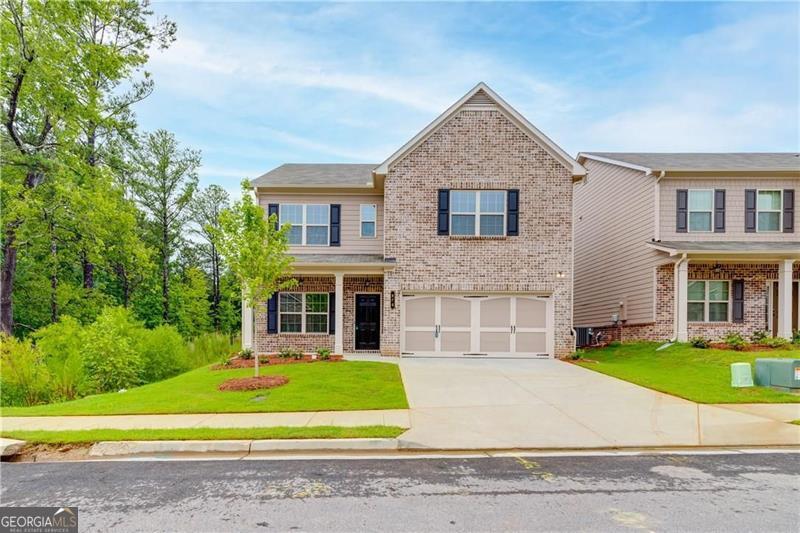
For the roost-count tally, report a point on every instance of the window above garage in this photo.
(478, 213)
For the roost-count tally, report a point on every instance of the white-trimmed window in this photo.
(310, 223)
(303, 312)
(478, 213)
(708, 301)
(701, 210)
(769, 207)
(369, 214)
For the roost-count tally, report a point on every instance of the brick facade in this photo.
(755, 278)
(477, 149)
(309, 342)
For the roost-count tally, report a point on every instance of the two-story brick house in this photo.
(675, 245)
(460, 243)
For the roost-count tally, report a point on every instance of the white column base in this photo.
(338, 340)
(785, 299)
(681, 297)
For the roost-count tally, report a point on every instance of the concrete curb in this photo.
(10, 447)
(239, 447)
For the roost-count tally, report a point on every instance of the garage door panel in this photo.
(496, 312)
(456, 312)
(456, 341)
(531, 342)
(495, 341)
(420, 341)
(531, 313)
(421, 312)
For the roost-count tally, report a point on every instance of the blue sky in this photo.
(254, 85)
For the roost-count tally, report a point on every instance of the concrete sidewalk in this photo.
(389, 417)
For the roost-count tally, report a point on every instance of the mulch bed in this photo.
(745, 348)
(237, 362)
(253, 383)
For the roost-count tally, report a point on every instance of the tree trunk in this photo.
(53, 274)
(215, 296)
(88, 272)
(125, 284)
(165, 274)
(7, 275)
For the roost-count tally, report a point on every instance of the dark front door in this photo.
(368, 321)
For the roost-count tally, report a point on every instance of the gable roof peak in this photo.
(482, 96)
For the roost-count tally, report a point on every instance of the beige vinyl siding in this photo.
(614, 219)
(734, 208)
(351, 240)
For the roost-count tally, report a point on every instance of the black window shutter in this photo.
(738, 300)
(512, 227)
(719, 211)
(444, 212)
(272, 314)
(332, 313)
(750, 210)
(272, 209)
(336, 216)
(788, 210)
(682, 210)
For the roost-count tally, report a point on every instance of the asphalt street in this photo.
(731, 492)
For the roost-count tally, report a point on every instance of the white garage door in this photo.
(479, 325)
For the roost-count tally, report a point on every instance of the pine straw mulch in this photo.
(253, 383)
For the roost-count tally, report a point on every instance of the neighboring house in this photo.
(672, 246)
(460, 243)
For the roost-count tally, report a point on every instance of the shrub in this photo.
(290, 353)
(61, 344)
(163, 353)
(775, 342)
(759, 336)
(576, 355)
(735, 340)
(615, 343)
(209, 348)
(110, 356)
(324, 353)
(796, 337)
(700, 342)
(24, 376)
(246, 354)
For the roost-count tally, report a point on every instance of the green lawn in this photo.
(699, 375)
(311, 432)
(340, 386)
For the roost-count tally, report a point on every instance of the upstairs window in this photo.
(769, 208)
(478, 213)
(708, 301)
(368, 219)
(310, 223)
(701, 210)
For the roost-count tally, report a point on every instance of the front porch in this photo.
(337, 305)
(711, 289)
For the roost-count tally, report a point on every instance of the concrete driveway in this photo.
(522, 403)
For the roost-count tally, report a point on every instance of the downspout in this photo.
(676, 299)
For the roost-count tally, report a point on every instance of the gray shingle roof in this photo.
(707, 161)
(322, 174)
(730, 246)
(341, 258)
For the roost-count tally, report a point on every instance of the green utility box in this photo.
(782, 373)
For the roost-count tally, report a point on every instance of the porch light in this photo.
(717, 268)
(391, 299)
(560, 275)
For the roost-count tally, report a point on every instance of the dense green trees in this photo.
(96, 214)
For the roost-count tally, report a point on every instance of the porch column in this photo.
(338, 342)
(681, 298)
(247, 325)
(785, 299)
